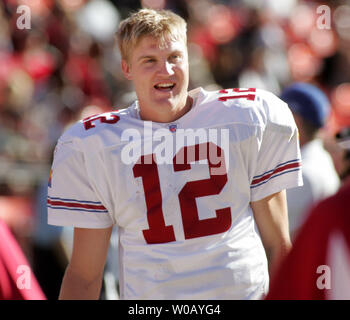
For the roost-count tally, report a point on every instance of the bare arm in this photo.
(271, 216)
(83, 276)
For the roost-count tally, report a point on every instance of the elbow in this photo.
(277, 253)
(77, 285)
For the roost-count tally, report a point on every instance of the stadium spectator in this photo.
(318, 266)
(342, 137)
(17, 281)
(310, 108)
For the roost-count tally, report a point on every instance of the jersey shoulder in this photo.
(96, 131)
(276, 109)
(249, 105)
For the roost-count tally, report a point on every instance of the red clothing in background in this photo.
(318, 267)
(13, 268)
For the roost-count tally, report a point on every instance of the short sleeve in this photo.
(278, 162)
(72, 199)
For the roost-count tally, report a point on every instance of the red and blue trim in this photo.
(282, 168)
(75, 205)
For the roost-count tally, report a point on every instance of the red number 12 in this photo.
(158, 232)
(247, 93)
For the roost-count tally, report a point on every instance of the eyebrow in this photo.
(145, 57)
(178, 52)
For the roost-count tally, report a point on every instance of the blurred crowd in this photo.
(66, 66)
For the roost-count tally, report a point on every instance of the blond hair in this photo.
(161, 24)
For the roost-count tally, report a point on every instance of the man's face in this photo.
(160, 76)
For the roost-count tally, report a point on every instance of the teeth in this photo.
(165, 85)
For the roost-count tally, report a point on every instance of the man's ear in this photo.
(126, 69)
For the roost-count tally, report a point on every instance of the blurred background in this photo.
(66, 66)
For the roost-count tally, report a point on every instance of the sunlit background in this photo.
(66, 67)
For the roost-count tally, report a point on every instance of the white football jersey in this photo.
(180, 192)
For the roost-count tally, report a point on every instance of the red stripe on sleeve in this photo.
(277, 170)
(75, 205)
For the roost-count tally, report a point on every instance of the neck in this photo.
(168, 116)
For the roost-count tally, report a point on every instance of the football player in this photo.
(194, 180)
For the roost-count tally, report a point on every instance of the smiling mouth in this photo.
(165, 87)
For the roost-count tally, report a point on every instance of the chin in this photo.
(166, 103)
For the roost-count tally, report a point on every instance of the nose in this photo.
(166, 68)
